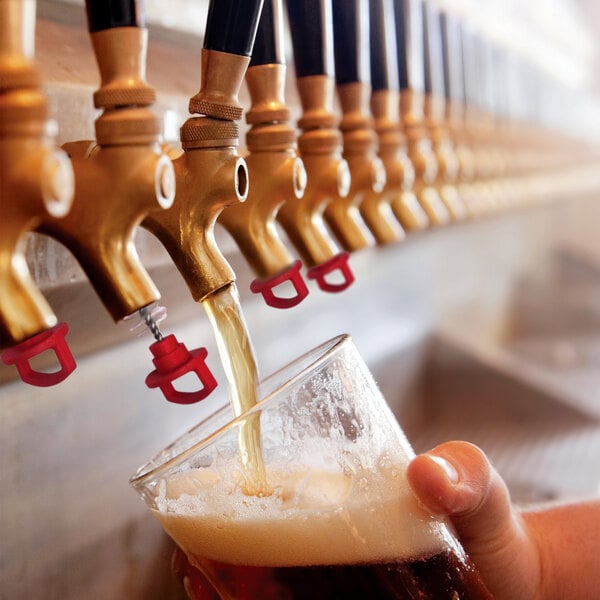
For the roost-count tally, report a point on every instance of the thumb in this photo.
(456, 479)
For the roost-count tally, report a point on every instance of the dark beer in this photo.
(375, 539)
(445, 576)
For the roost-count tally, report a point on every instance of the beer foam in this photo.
(312, 518)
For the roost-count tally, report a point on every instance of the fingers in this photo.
(456, 479)
(195, 584)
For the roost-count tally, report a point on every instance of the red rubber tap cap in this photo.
(320, 272)
(173, 360)
(291, 274)
(50, 339)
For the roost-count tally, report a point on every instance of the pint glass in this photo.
(337, 518)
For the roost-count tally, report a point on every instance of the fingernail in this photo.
(448, 469)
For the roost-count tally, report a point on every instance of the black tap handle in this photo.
(351, 40)
(107, 14)
(384, 58)
(312, 36)
(454, 77)
(433, 58)
(231, 25)
(409, 44)
(268, 47)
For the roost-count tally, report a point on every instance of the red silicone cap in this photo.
(339, 261)
(292, 274)
(173, 360)
(50, 339)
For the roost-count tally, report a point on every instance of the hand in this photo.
(546, 554)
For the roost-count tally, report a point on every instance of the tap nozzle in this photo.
(278, 176)
(37, 183)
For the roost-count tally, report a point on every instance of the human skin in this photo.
(547, 553)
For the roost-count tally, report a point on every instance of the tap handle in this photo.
(52, 339)
(268, 46)
(454, 84)
(292, 274)
(351, 41)
(384, 58)
(231, 25)
(172, 361)
(433, 63)
(312, 36)
(409, 44)
(337, 262)
(108, 14)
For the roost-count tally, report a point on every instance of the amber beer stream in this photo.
(239, 363)
(341, 521)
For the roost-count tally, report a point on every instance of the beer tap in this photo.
(435, 112)
(367, 173)
(36, 183)
(275, 170)
(319, 144)
(209, 173)
(409, 31)
(119, 179)
(397, 194)
(455, 105)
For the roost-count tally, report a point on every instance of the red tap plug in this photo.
(173, 360)
(50, 339)
(266, 286)
(320, 272)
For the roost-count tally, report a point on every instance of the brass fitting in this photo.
(367, 174)
(397, 194)
(36, 179)
(420, 152)
(221, 78)
(328, 176)
(276, 172)
(447, 158)
(119, 179)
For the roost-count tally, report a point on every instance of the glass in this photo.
(338, 518)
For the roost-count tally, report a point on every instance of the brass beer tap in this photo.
(36, 184)
(397, 195)
(367, 173)
(319, 144)
(274, 168)
(121, 176)
(435, 112)
(409, 32)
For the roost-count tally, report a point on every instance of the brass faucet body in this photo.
(36, 179)
(208, 179)
(275, 170)
(397, 195)
(328, 176)
(447, 158)
(119, 179)
(367, 174)
(209, 175)
(420, 152)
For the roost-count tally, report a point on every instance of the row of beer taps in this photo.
(392, 140)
